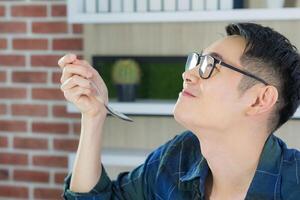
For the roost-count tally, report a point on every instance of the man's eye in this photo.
(210, 65)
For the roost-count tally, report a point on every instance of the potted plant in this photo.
(126, 74)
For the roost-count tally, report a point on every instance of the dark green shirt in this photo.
(177, 170)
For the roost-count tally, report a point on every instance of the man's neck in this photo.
(232, 158)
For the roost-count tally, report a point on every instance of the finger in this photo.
(67, 59)
(96, 80)
(74, 81)
(82, 62)
(86, 64)
(70, 69)
(96, 76)
(76, 92)
(98, 94)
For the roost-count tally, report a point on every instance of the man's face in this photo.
(214, 103)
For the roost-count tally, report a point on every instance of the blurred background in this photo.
(142, 42)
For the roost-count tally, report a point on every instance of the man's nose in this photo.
(191, 75)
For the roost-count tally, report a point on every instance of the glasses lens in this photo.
(206, 66)
(191, 61)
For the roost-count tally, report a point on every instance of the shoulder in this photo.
(290, 164)
(290, 171)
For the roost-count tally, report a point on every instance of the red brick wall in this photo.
(36, 132)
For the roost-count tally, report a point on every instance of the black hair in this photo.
(275, 60)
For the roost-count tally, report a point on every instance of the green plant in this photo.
(126, 71)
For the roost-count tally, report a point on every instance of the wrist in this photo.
(94, 122)
(94, 118)
(92, 125)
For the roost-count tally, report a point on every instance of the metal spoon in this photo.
(110, 109)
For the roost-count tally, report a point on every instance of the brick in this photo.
(47, 193)
(77, 28)
(31, 176)
(50, 127)
(13, 27)
(59, 10)
(2, 76)
(49, 27)
(14, 125)
(3, 141)
(30, 44)
(47, 94)
(30, 143)
(61, 111)
(60, 177)
(4, 173)
(2, 11)
(13, 93)
(3, 109)
(50, 161)
(14, 191)
(29, 77)
(56, 77)
(65, 144)
(13, 158)
(67, 44)
(29, 110)
(12, 60)
(45, 60)
(3, 43)
(29, 11)
(77, 128)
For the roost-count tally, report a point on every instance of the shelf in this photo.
(117, 158)
(147, 108)
(142, 107)
(185, 16)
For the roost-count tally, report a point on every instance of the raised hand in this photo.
(83, 86)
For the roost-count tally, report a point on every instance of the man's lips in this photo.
(186, 93)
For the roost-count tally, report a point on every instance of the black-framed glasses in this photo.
(207, 64)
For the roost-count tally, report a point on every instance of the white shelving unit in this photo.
(186, 16)
(142, 107)
(147, 107)
(89, 11)
(117, 158)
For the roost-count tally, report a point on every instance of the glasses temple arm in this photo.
(241, 71)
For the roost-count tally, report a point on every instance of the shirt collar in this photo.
(199, 170)
(266, 180)
(265, 183)
(196, 168)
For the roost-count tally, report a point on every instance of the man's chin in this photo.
(180, 116)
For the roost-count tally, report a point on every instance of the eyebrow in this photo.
(213, 54)
(216, 55)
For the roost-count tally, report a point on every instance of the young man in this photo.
(236, 93)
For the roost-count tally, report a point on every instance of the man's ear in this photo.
(265, 100)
